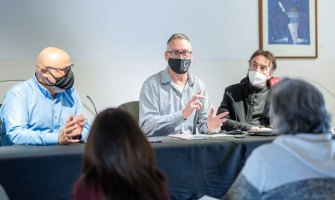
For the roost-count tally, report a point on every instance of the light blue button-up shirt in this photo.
(161, 105)
(30, 116)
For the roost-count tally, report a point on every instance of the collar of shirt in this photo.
(43, 90)
(166, 78)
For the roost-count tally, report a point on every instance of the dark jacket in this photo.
(243, 94)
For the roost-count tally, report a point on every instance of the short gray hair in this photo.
(296, 106)
(177, 36)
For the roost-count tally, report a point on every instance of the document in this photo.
(207, 198)
(189, 137)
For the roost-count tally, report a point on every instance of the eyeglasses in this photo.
(66, 70)
(176, 54)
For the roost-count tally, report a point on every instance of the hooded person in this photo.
(300, 162)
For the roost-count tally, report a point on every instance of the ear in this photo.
(166, 56)
(270, 75)
(44, 72)
(192, 56)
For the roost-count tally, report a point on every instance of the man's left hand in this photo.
(214, 122)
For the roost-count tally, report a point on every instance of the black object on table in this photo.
(193, 168)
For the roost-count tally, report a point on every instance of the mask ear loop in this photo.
(47, 79)
(51, 84)
(55, 77)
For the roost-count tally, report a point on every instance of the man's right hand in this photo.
(259, 129)
(254, 128)
(192, 104)
(68, 131)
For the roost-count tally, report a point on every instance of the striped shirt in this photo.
(161, 105)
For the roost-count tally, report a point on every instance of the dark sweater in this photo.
(258, 99)
(250, 105)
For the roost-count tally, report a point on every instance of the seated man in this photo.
(45, 109)
(174, 101)
(249, 96)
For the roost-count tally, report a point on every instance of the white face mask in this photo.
(256, 78)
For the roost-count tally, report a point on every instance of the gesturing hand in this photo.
(69, 130)
(254, 128)
(192, 104)
(214, 122)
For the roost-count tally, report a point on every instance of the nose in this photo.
(259, 69)
(181, 56)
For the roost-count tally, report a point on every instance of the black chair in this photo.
(132, 108)
(3, 195)
(0, 126)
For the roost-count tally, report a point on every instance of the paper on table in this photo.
(221, 135)
(207, 198)
(189, 137)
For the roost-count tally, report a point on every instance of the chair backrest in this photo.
(3, 195)
(319, 188)
(0, 125)
(132, 108)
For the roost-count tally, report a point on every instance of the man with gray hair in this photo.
(174, 101)
(246, 101)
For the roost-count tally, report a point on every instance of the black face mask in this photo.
(180, 66)
(65, 82)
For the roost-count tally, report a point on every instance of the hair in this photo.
(177, 36)
(268, 55)
(119, 161)
(297, 107)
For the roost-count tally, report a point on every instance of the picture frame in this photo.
(288, 28)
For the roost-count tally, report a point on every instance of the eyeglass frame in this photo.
(66, 69)
(180, 53)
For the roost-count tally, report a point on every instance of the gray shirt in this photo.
(161, 105)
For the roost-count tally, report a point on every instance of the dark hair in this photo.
(296, 106)
(268, 55)
(119, 161)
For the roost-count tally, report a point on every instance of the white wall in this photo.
(116, 44)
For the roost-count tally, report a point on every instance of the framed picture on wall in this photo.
(288, 28)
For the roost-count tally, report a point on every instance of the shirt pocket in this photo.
(166, 102)
(165, 106)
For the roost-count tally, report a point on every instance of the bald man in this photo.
(46, 109)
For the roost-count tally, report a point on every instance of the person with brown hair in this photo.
(249, 96)
(118, 162)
